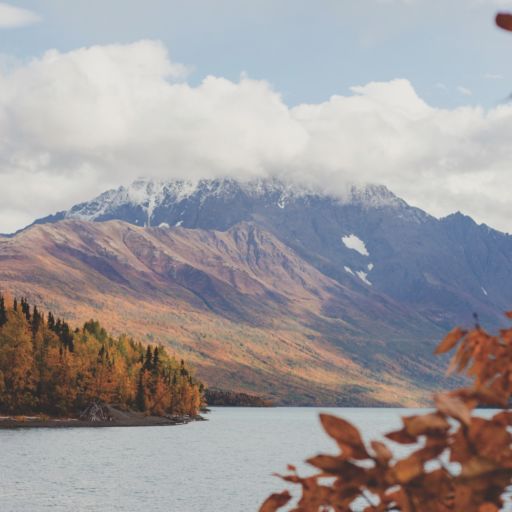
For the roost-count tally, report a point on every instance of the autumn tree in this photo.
(17, 373)
(45, 366)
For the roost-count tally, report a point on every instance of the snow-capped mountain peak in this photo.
(140, 200)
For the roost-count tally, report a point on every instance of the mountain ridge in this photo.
(147, 195)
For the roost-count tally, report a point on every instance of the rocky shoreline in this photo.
(103, 416)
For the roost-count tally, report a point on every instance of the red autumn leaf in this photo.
(402, 437)
(450, 340)
(504, 20)
(275, 502)
(432, 423)
(346, 435)
(382, 452)
(336, 466)
(453, 407)
(407, 469)
(477, 466)
(488, 507)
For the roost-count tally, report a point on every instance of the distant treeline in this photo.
(220, 397)
(48, 367)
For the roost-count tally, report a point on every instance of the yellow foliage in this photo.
(45, 367)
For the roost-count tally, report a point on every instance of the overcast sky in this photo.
(409, 93)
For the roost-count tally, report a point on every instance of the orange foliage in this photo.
(45, 367)
(459, 462)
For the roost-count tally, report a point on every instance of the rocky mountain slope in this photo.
(447, 269)
(268, 287)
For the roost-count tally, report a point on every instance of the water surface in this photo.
(222, 465)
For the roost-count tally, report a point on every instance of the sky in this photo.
(412, 94)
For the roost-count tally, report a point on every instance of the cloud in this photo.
(464, 91)
(12, 17)
(73, 124)
(492, 76)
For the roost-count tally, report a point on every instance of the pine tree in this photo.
(25, 309)
(37, 320)
(148, 364)
(101, 355)
(3, 312)
(51, 321)
(156, 359)
(140, 398)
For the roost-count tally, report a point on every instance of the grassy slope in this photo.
(243, 308)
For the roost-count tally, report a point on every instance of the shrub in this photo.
(459, 462)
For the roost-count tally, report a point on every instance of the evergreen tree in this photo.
(101, 355)
(15, 305)
(140, 398)
(37, 320)
(25, 309)
(156, 359)
(65, 335)
(148, 364)
(51, 321)
(3, 312)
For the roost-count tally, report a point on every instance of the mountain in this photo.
(271, 288)
(447, 269)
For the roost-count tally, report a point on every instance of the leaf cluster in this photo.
(457, 461)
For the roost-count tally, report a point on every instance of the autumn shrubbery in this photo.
(457, 461)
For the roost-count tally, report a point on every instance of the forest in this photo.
(47, 367)
(224, 398)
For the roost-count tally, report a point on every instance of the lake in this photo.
(222, 465)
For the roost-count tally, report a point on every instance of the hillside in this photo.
(245, 309)
(269, 288)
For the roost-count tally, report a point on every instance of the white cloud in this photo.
(73, 124)
(464, 91)
(11, 17)
(493, 76)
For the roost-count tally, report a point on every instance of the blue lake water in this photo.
(222, 465)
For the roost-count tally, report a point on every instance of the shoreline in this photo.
(14, 423)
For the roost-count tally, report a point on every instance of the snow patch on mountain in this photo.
(355, 243)
(364, 277)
